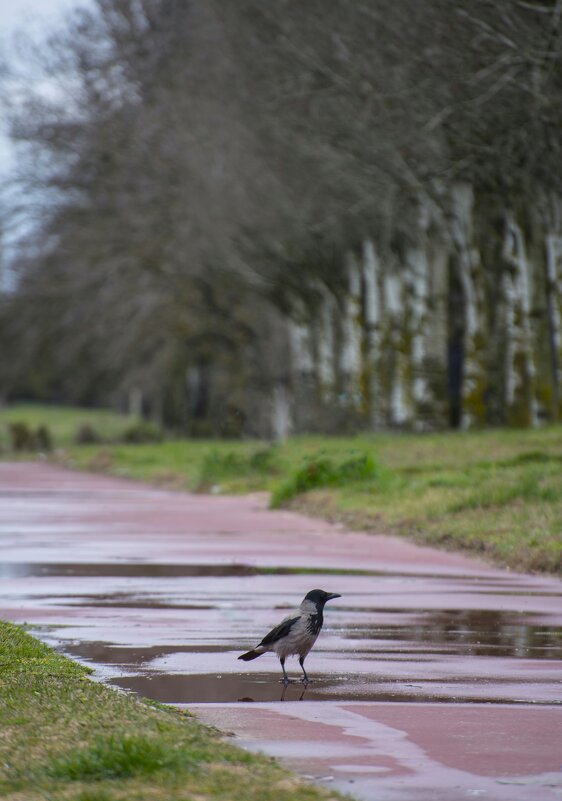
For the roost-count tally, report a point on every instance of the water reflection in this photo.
(138, 568)
(209, 689)
(120, 570)
(102, 653)
(213, 689)
(127, 600)
(469, 631)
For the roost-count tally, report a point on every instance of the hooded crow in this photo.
(297, 633)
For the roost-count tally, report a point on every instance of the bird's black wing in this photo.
(280, 631)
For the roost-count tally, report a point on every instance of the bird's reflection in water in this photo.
(301, 696)
(248, 699)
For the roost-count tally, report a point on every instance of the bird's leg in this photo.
(285, 678)
(305, 677)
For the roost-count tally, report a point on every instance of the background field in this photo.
(497, 492)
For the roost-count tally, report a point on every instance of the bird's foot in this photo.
(306, 680)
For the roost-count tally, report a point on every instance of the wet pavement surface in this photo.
(435, 676)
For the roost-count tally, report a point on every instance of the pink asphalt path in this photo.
(436, 676)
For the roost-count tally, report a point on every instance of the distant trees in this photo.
(258, 215)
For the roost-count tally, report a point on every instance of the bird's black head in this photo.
(319, 597)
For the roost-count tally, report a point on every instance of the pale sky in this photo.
(31, 16)
(14, 13)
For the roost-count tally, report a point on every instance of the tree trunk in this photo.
(280, 413)
(325, 345)
(350, 358)
(135, 402)
(418, 279)
(520, 400)
(372, 322)
(470, 274)
(399, 412)
(553, 302)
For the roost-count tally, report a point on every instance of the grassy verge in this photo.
(496, 493)
(63, 736)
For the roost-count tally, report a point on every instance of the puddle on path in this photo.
(497, 585)
(102, 653)
(478, 633)
(125, 600)
(396, 663)
(400, 654)
(475, 632)
(210, 689)
(120, 569)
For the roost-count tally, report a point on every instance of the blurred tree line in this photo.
(247, 217)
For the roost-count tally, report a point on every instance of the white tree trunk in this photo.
(554, 302)
(350, 363)
(470, 275)
(418, 277)
(325, 345)
(520, 367)
(399, 411)
(281, 413)
(372, 305)
(436, 326)
(301, 344)
(135, 402)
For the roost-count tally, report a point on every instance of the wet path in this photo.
(435, 677)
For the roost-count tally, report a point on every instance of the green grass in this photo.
(322, 471)
(120, 756)
(496, 493)
(63, 736)
(249, 466)
(233, 467)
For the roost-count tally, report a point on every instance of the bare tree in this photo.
(203, 170)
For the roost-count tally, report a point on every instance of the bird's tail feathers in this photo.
(253, 654)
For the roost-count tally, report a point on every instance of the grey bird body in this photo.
(297, 633)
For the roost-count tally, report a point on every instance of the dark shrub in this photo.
(142, 432)
(22, 437)
(43, 440)
(86, 434)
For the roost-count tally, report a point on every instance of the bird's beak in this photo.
(332, 595)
